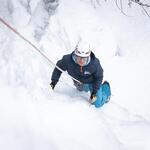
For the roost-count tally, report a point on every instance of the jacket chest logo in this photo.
(87, 73)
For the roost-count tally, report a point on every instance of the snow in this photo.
(34, 117)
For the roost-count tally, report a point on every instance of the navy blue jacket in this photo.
(91, 73)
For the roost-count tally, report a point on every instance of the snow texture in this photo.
(34, 117)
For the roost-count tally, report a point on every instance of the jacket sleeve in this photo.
(57, 73)
(98, 77)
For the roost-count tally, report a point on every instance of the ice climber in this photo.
(83, 65)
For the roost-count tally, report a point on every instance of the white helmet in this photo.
(82, 49)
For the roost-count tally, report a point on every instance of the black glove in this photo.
(52, 84)
(93, 97)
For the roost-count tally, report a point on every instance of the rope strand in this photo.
(37, 49)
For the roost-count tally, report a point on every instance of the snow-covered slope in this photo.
(32, 116)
